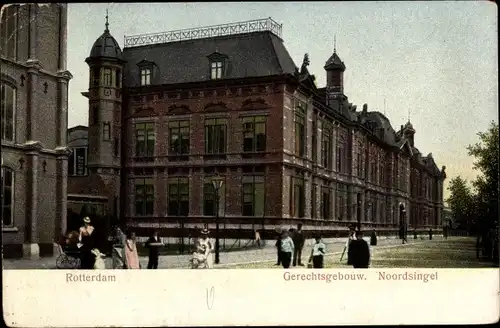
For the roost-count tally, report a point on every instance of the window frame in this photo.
(106, 131)
(5, 170)
(148, 129)
(9, 36)
(216, 69)
(145, 74)
(107, 77)
(341, 199)
(4, 121)
(340, 164)
(325, 211)
(148, 196)
(179, 196)
(251, 181)
(297, 202)
(176, 128)
(326, 146)
(73, 172)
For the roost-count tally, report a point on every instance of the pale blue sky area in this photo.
(437, 60)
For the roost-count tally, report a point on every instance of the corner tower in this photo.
(105, 112)
(335, 69)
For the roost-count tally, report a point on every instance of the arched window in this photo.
(8, 105)
(7, 185)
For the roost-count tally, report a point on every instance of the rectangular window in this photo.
(254, 133)
(341, 154)
(95, 76)
(77, 162)
(300, 136)
(8, 108)
(297, 198)
(325, 203)
(215, 135)
(144, 197)
(8, 31)
(178, 196)
(7, 185)
(314, 201)
(210, 197)
(107, 80)
(145, 139)
(314, 142)
(216, 70)
(359, 159)
(145, 76)
(106, 131)
(326, 147)
(253, 196)
(179, 134)
(341, 203)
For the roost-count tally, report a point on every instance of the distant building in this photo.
(34, 99)
(174, 110)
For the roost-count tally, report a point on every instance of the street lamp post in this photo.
(217, 184)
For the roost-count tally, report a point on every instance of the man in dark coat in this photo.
(278, 247)
(373, 238)
(153, 244)
(360, 252)
(298, 241)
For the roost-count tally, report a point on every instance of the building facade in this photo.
(167, 116)
(34, 89)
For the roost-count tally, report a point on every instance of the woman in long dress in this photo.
(86, 241)
(206, 246)
(131, 255)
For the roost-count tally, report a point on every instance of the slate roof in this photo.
(249, 55)
(78, 136)
(106, 47)
(334, 62)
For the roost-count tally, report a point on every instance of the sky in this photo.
(433, 62)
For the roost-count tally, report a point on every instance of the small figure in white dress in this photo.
(203, 254)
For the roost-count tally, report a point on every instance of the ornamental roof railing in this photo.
(258, 25)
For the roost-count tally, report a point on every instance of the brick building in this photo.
(34, 88)
(175, 110)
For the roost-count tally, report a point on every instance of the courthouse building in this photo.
(34, 119)
(172, 111)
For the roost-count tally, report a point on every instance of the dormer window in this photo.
(145, 76)
(218, 65)
(216, 70)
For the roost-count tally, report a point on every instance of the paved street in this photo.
(265, 255)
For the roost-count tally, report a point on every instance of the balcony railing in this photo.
(258, 25)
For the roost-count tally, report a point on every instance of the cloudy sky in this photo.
(434, 61)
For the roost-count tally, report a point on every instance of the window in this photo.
(300, 128)
(216, 70)
(341, 153)
(178, 196)
(359, 159)
(326, 146)
(107, 80)
(179, 137)
(8, 31)
(254, 133)
(210, 197)
(145, 76)
(77, 162)
(341, 203)
(373, 164)
(106, 131)
(253, 195)
(95, 115)
(314, 201)
(7, 182)
(8, 103)
(325, 203)
(95, 76)
(297, 199)
(118, 80)
(381, 168)
(144, 139)
(215, 136)
(314, 142)
(144, 196)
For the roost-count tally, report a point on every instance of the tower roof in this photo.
(106, 46)
(334, 62)
(409, 127)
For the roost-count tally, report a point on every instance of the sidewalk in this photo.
(227, 259)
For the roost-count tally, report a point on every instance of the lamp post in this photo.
(217, 184)
(402, 221)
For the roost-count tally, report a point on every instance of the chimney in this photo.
(365, 108)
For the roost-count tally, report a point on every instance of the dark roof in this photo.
(106, 47)
(334, 62)
(382, 122)
(253, 54)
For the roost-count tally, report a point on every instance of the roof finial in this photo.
(409, 113)
(335, 43)
(107, 24)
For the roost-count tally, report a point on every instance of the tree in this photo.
(461, 202)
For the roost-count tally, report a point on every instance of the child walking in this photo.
(317, 253)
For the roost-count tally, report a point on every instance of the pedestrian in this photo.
(132, 257)
(373, 238)
(298, 241)
(287, 249)
(278, 247)
(430, 234)
(360, 252)
(257, 238)
(317, 253)
(153, 244)
(205, 246)
(86, 244)
(352, 236)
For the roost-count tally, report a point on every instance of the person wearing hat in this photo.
(360, 252)
(154, 243)
(86, 244)
(205, 247)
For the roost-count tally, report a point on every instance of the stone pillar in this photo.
(32, 100)
(62, 106)
(33, 9)
(63, 31)
(31, 249)
(61, 191)
(307, 194)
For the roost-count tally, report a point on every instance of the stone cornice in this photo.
(65, 75)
